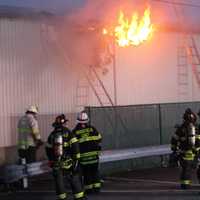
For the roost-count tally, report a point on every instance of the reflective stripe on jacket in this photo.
(89, 141)
(28, 130)
(70, 148)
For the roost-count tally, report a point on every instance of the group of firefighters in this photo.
(73, 155)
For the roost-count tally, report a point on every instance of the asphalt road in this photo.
(154, 184)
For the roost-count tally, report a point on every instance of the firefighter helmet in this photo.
(61, 119)
(189, 115)
(33, 109)
(82, 118)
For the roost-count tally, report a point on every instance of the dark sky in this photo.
(63, 6)
(49, 5)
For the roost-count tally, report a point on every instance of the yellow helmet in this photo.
(33, 108)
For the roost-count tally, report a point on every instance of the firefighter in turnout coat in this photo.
(183, 144)
(29, 138)
(62, 150)
(89, 141)
(197, 142)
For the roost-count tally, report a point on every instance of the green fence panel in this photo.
(137, 126)
(171, 114)
(127, 126)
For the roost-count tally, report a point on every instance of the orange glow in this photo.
(105, 31)
(132, 32)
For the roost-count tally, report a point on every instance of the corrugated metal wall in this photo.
(148, 73)
(32, 72)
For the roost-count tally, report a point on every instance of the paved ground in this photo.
(153, 184)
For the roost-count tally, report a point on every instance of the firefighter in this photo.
(197, 157)
(89, 142)
(62, 150)
(183, 145)
(29, 138)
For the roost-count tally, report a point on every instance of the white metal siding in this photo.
(32, 72)
(148, 73)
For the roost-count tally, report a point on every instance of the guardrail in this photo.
(12, 173)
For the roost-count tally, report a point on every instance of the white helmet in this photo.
(33, 109)
(82, 118)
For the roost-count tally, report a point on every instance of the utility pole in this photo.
(114, 70)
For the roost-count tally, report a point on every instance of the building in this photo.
(44, 60)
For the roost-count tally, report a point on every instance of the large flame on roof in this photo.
(132, 31)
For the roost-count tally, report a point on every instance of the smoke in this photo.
(80, 33)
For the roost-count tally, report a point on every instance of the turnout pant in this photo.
(91, 177)
(198, 173)
(62, 175)
(186, 171)
(29, 154)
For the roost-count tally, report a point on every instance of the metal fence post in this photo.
(24, 179)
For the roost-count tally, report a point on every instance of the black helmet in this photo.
(189, 115)
(60, 120)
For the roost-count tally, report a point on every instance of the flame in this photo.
(134, 31)
(104, 31)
